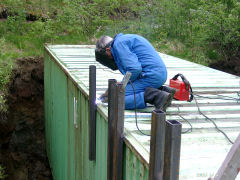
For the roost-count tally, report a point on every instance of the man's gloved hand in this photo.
(104, 97)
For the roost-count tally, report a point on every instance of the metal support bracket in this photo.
(111, 107)
(157, 145)
(172, 150)
(92, 113)
(164, 147)
(116, 106)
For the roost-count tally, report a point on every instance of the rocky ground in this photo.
(22, 136)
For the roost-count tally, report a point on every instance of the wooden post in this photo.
(92, 113)
(172, 150)
(231, 165)
(157, 145)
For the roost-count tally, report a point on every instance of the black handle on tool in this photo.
(187, 84)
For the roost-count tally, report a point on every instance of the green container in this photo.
(66, 118)
(66, 76)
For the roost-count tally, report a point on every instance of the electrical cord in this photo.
(200, 112)
(135, 103)
(188, 130)
(238, 93)
(223, 97)
(211, 120)
(135, 110)
(136, 121)
(229, 98)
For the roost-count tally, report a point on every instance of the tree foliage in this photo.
(213, 26)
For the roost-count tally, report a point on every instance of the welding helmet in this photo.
(105, 60)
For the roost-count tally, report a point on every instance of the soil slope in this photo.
(22, 128)
(232, 65)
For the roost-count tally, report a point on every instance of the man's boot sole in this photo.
(168, 102)
(172, 96)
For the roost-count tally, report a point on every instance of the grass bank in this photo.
(200, 31)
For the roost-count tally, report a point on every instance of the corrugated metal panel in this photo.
(66, 112)
(56, 121)
(202, 151)
(67, 132)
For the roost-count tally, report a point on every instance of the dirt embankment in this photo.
(232, 65)
(22, 136)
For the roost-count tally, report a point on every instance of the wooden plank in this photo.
(231, 165)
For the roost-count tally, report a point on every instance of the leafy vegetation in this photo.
(2, 173)
(198, 30)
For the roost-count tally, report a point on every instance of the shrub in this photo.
(198, 30)
(2, 173)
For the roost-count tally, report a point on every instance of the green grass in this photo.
(8, 53)
(28, 41)
(199, 31)
(160, 40)
(178, 49)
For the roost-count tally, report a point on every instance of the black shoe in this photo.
(168, 89)
(160, 99)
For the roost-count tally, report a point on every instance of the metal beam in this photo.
(92, 113)
(111, 110)
(157, 145)
(231, 165)
(118, 125)
(172, 150)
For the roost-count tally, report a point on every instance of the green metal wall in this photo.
(67, 138)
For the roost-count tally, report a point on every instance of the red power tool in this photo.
(183, 88)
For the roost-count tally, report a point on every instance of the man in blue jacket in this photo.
(133, 53)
